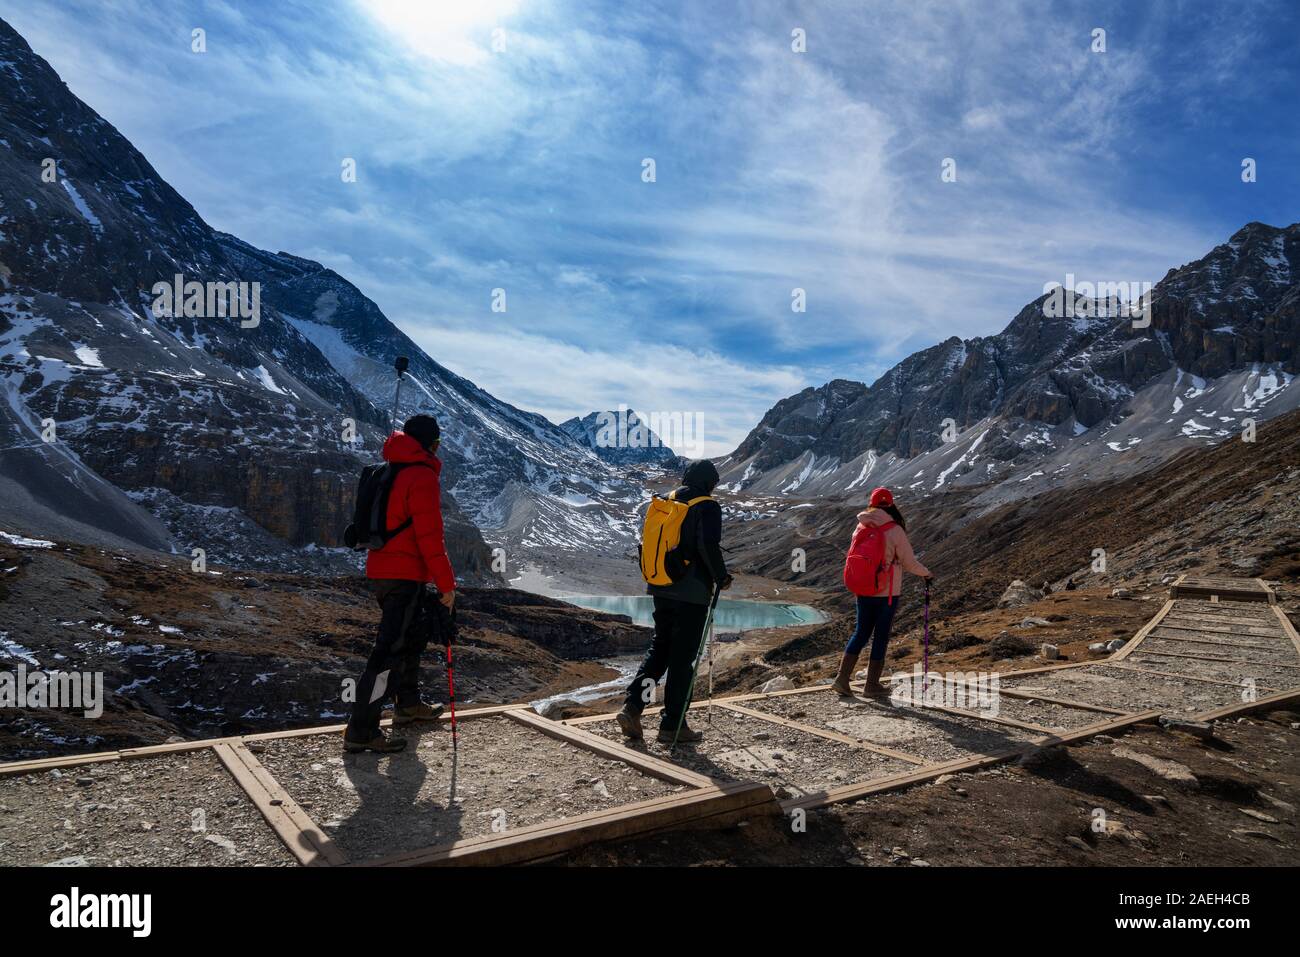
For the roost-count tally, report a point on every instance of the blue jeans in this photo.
(875, 617)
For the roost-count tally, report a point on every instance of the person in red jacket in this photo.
(399, 574)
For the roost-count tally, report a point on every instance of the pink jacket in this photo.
(898, 551)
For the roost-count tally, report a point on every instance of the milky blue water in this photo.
(732, 614)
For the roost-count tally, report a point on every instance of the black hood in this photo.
(701, 474)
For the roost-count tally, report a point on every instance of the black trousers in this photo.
(393, 669)
(679, 632)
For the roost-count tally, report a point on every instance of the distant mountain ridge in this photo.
(620, 436)
(1051, 399)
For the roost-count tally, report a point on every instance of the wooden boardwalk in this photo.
(1229, 589)
(1216, 648)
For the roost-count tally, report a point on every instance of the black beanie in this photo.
(424, 429)
(701, 474)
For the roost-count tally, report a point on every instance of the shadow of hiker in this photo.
(684, 755)
(406, 801)
(968, 734)
(1058, 766)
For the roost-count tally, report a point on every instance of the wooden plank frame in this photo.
(1049, 699)
(1202, 616)
(1173, 674)
(821, 732)
(1193, 586)
(704, 703)
(1219, 658)
(296, 829)
(1246, 707)
(645, 763)
(713, 805)
(1287, 627)
(1219, 643)
(99, 757)
(809, 689)
(978, 716)
(1061, 702)
(1142, 633)
(1222, 627)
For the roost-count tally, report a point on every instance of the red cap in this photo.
(881, 496)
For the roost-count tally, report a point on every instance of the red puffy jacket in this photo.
(418, 553)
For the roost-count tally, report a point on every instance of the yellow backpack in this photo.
(662, 533)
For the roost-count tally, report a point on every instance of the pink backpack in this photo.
(865, 572)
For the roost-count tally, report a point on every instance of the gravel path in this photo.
(924, 733)
(1047, 715)
(177, 809)
(1127, 690)
(1253, 649)
(503, 776)
(1237, 672)
(741, 747)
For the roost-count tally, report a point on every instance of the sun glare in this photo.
(452, 31)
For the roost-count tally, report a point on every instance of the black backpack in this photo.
(369, 529)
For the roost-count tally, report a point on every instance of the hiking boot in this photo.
(873, 685)
(687, 736)
(630, 725)
(380, 743)
(841, 685)
(417, 712)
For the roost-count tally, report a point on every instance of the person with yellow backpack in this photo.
(682, 563)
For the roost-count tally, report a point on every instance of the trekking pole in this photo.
(925, 673)
(449, 625)
(710, 684)
(695, 668)
(401, 365)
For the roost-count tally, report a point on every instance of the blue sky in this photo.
(522, 168)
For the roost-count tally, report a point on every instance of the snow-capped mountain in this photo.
(238, 408)
(622, 437)
(1060, 395)
(524, 480)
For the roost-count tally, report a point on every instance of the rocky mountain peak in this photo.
(1069, 362)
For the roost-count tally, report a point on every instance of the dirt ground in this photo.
(1084, 805)
(178, 809)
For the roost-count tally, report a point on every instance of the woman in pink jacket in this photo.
(876, 612)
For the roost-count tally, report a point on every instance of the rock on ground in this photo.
(1018, 593)
(1160, 767)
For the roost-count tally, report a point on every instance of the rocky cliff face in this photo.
(1057, 384)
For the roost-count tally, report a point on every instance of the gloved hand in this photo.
(726, 583)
